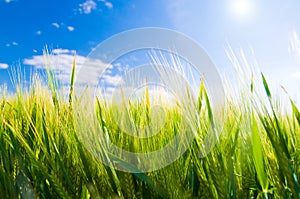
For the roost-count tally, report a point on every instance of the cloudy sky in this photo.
(264, 34)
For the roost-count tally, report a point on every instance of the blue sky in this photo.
(265, 32)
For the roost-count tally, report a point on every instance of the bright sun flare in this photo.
(242, 8)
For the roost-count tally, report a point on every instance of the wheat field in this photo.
(257, 154)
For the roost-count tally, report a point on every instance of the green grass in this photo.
(42, 155)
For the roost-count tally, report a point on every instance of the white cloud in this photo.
(9, 1)
(36, 61)
(56, 25)
(3, 66)
(71, 28)
(58, 51)
(14, 43)
(110, 79)
(38, 32)
(60, 61)
(87, 7)
(108, 4)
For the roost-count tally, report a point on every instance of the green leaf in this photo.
(296, 111)
(266, 86)
(139, 175)
(258, 156)
(200, 95)
(72, 81)
(252, 83)
(63, 168)
(210, 115)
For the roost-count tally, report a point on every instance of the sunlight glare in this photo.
(242, 8)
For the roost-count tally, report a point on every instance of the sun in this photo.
(242, 8)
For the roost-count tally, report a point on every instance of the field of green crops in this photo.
(257, 154)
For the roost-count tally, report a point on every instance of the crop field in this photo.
(256, 154)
